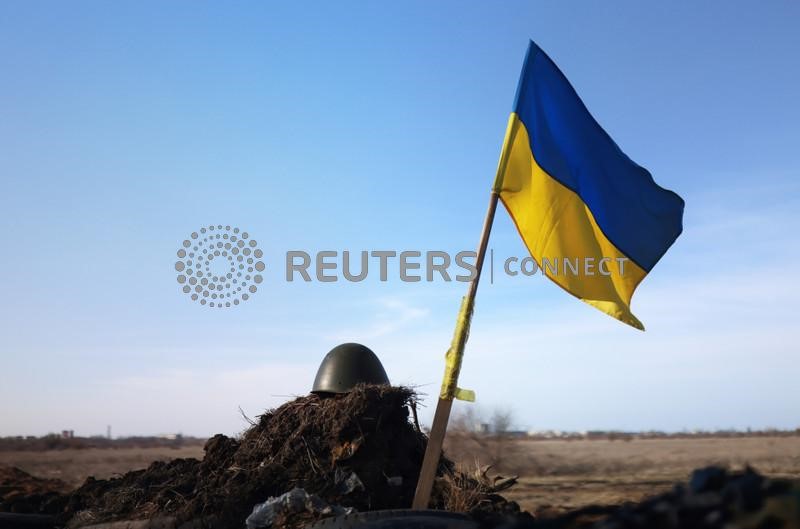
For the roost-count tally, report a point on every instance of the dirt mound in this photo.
(25, 494)
(357, 450)
(161, 488)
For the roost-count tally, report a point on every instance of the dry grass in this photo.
(460, 493)
(554, 475)
(74, 466)
(559, 475)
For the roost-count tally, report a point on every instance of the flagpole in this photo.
(442, 416)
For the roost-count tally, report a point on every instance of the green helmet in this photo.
(347, 365)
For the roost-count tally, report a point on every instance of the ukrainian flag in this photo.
(574, 195)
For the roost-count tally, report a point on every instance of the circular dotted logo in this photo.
(219, 266)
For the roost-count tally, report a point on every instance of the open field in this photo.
(74, 465)
(555, 475)
(559, 475)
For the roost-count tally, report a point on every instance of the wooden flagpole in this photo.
(433, 452)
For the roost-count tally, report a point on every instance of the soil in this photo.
(356, 450)
(362, 451)
(25, 494)
(714, 498)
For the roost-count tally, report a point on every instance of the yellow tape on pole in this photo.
(455, 354)
(450, 389)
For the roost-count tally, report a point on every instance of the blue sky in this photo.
(362, 126)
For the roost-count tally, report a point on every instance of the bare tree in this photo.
(501, 421)
(474, 439)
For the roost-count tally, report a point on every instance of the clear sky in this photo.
(341, 126)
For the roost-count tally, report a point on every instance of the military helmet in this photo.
(347, 365)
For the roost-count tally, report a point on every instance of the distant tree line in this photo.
(618, 435)
(64, 442)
